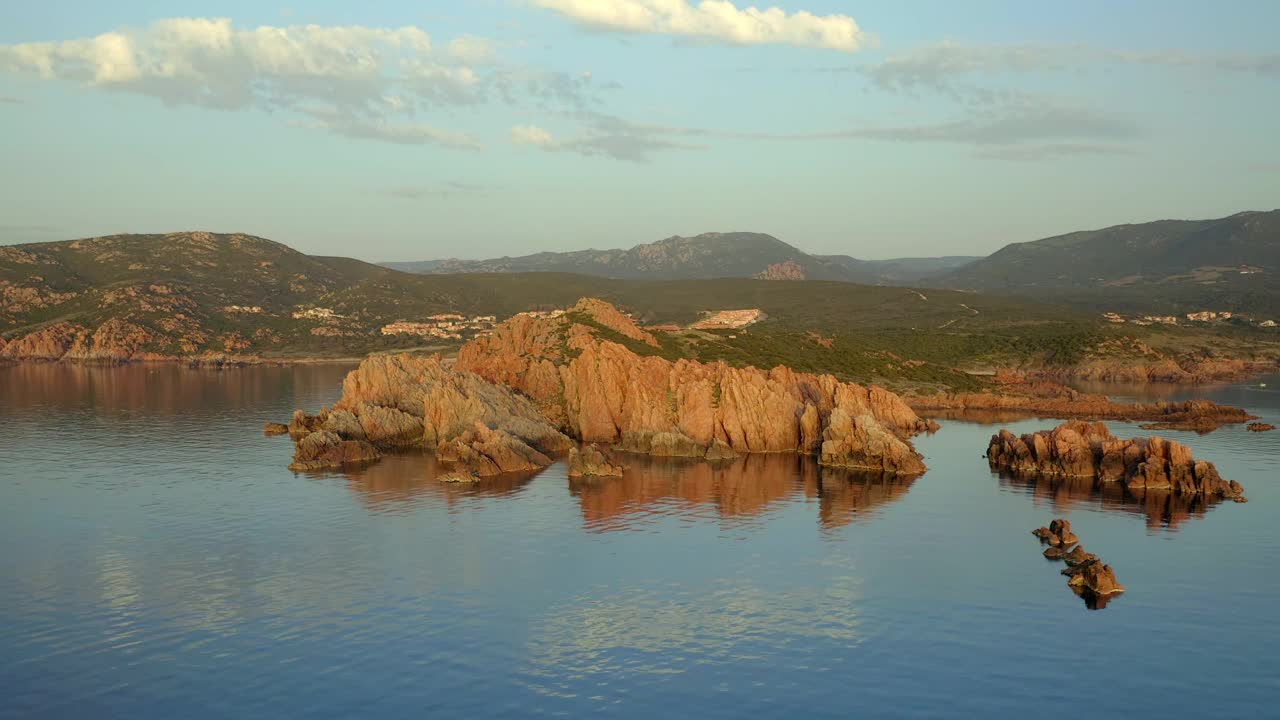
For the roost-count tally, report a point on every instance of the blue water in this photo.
(159, 560)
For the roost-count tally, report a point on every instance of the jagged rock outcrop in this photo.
(483, 451)
(49, 343)
(1089, 450)
(1049, 399)
(401, 400)
(603, 392)
(1260, 427)
(323, 449)
(591, 461)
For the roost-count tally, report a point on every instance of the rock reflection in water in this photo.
(1161, 508)
(736, 491)
(402, 479)
(672, 629)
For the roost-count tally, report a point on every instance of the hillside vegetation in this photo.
(189, 294)
(1164, 267)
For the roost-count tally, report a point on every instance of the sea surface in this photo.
(158, 560)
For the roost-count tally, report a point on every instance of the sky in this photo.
(401, 130)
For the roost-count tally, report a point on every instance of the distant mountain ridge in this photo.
(1230, 263)
(705, 256)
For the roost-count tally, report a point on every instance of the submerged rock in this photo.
(1089, 450)
(1260, 427)
(275, 428)
(323, 449)
(590, 461)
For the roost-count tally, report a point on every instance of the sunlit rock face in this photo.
(622, 391)
(402, 400)
(1089, 450)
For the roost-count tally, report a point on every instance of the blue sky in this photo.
(415, 130)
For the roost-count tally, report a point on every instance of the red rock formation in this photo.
(403, 400)
(50, 343)
(323, 449)
(1079, 449)
(601, 391)
(786, 270)
(1049, 399)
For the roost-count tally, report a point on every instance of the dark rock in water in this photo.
(322, 449)
(1094, 576)
(1260, 427)
(1043, 533)
(1060, 534)
(458, 477)
(591, 461)
(1093, 600)
(273, 428)
(1055, 553)
(1078, 556)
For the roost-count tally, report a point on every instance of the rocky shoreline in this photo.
(1017, 394)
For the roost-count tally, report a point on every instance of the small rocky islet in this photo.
(1089, 450)
(1090, 578)
(537, 386)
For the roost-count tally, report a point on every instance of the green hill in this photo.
(187, 294)
(1162, 267)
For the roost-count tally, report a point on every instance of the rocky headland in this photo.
(1015, 393)
(518, 397)
(1089, 450)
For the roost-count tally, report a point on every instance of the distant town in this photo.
(1204, 316)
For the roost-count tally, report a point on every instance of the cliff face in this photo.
(1077, 449)
(114, 341)
(602, 391)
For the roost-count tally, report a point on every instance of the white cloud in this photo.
(939, 66)
(357, 81)
(531, 135)
(718, 20)
(608, 136)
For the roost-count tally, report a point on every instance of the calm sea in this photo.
(159, 561)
